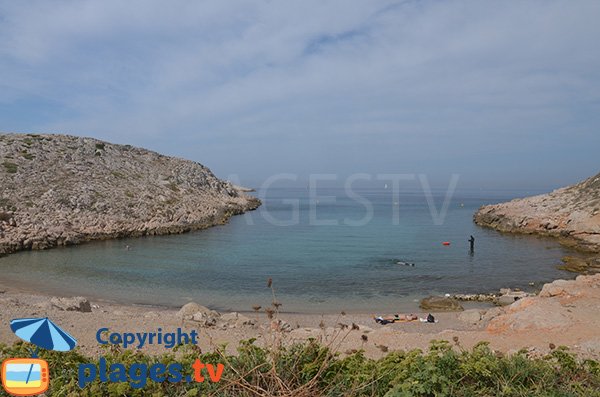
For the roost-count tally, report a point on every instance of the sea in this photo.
(365, 250)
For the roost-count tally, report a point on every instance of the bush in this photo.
(11, 168)
(311, 369)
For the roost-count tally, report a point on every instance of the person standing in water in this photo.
(472, 244)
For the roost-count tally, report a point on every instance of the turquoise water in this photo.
(315, 268)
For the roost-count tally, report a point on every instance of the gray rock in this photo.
(509, 296)
(471, 317)
(491, 313)
(206, 319)
(75, 304)
(188, 310)
(440, 304)
(555, 288)
(506, 300)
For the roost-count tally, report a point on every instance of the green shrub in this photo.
(26, 155)
(311, 369)
(11, 168)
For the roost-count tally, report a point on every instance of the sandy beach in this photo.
(564, 313)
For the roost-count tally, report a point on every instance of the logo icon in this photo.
(25, 376)
(30, 376)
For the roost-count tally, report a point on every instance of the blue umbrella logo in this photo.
(43, 333)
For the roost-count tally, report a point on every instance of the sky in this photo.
(505, 94)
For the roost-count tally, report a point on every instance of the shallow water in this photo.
(315, 268)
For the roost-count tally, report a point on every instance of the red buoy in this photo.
(446, 243)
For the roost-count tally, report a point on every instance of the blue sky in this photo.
(504, 93)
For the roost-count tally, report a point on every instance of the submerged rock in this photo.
(440, 304)
(580, 265)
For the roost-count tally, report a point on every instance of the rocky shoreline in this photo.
(65, 190)
(571, 214)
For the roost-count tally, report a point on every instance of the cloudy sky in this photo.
(504, 93)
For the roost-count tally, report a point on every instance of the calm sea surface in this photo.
(318, 258)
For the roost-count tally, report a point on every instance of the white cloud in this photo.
(187, 76)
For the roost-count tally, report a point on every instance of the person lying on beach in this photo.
(395, 318)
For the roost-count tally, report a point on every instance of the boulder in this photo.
(555, 288)
(471, 317)
(206, 319)
(492, 313)
(188, 310)
(75, 304)
(532, 314)
(440, 304)
(509, 296)
(505, 300)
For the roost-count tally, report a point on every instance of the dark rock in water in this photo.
(440, 304)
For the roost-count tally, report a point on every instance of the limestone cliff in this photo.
(61, 190)
(571, 213)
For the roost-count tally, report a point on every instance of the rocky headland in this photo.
(571, 214)
(63, 190)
